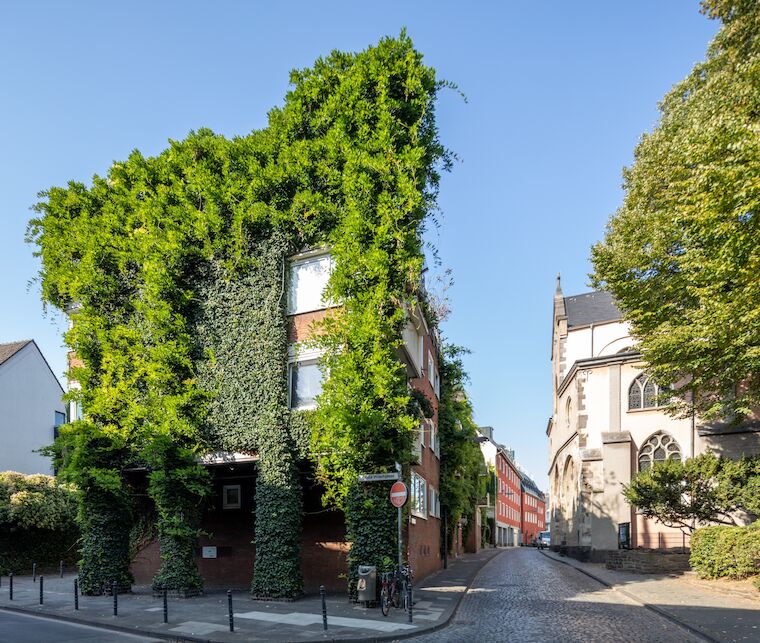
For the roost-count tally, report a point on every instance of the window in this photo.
(305, 384)
(435, 503)
(308, 278)
(231, 496)
(568, 411)
(658, 448)
(431, 369)
(60, 419)
(643, 393)
(436, 440)
(419, 496)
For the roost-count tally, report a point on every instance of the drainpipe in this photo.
(693, 428)
(592, 340)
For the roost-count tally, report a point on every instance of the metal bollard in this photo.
(324, 606)
(34, 572)
(60, 569)
(229, 606)
(42, 583)
(10, 585)
(115, 593)
(166, 607)
(409, 598)
(76, 593)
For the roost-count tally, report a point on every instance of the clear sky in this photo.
(558, 95)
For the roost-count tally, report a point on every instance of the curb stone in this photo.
(653, 608)
(165, 636)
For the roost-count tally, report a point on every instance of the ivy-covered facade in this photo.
(182, 269)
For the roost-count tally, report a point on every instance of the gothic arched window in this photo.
(643, 393)
(658, 448)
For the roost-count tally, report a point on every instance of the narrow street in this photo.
(25, 628)
(524, 596)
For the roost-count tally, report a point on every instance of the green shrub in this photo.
(37, 522)
(726, 552)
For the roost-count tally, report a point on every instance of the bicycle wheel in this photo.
(395, 595)
(385, 601)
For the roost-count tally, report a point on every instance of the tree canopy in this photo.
(682, 255)
(700, 490)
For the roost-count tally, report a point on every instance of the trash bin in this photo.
(366, 585)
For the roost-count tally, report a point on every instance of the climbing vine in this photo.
(177, 265)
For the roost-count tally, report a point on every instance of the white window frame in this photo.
(303, 260)
(226, 504)
(419, 496)
(298, 354)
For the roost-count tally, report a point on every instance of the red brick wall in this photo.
(424, 534)
(323, 541)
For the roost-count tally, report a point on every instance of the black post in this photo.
(324, 606)
(166, 607)
(115, 593)
(76, 593)
(60, 568)
(34, 572)
(445, 537)
(10, 585)
(409, 595)
(229, 607)
(42, 583)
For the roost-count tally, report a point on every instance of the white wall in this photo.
(29, 397)
(608, 339)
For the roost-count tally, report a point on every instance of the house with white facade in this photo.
(33, 409)
(608, 422)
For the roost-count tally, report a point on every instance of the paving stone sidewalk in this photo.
(205, 618)
(713, 610)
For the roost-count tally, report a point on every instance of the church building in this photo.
(607, 423)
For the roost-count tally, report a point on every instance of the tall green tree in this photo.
(464, 476)
(682, 255)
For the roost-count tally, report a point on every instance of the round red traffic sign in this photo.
(399, 494)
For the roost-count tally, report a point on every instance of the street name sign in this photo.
(378, 477)
(399, 494)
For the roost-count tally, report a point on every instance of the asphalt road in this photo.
(22, 628)
(524, 596)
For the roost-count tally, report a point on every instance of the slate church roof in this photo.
(590, 308)
(9, 350)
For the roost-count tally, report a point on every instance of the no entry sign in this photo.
(399, 494)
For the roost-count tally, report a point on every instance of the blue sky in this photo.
(558, 95)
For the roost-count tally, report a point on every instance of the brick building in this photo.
(533, 519)
(227, 555)
(507, 504)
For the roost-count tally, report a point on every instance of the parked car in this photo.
(544, 539)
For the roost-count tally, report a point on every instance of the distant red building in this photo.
(508, 499)
(533, 519)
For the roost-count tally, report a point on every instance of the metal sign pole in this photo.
(400, 530)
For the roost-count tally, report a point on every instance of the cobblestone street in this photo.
(524, 596)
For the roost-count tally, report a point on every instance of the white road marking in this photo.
(303, 619)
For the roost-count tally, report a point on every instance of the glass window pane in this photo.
(650, 395)
(659, 454)
(634, 396)
(308, 279)
(305, 384)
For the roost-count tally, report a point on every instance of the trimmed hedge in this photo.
(726, 552)
(37, 522)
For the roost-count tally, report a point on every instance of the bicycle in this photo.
(394, 589)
